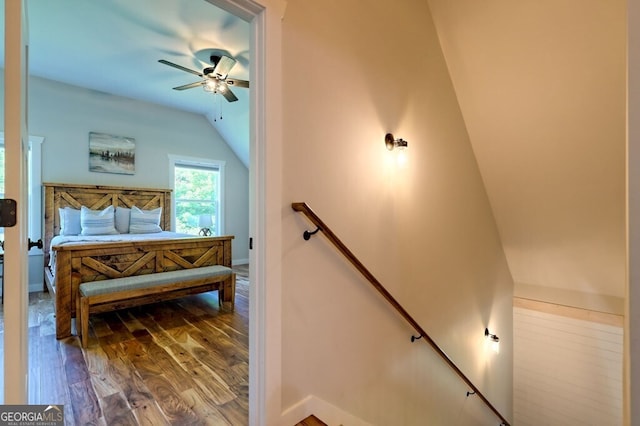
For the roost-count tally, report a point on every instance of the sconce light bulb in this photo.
(389, 141)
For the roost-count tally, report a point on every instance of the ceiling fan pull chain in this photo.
(217, 107)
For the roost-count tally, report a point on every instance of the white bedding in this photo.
(59, 240)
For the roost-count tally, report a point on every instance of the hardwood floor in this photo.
(181, 362)
(311, 421)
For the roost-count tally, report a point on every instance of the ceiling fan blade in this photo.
(237, 83)
(223, 66)
(227, 93)
(189, 86)
(180, 67)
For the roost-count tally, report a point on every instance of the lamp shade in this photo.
(205, 221)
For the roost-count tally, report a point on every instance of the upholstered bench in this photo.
(118, 293)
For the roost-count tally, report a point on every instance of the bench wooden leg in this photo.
(227, 293)
(78, 318)
(82, 317)
(233, 292)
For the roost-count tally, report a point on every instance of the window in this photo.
(197, 195)
(35, 202)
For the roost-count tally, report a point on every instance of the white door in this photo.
(16, 290)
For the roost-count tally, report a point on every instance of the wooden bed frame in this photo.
(79, 263)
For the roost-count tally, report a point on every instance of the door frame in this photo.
(16, 257)
(265, 205)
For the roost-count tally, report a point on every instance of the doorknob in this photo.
(33, 244)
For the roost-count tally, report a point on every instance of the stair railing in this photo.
(321, 226)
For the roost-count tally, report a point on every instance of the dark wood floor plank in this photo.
(211, 358)
(119, 331)
(52, 380)
(99, 326)
(150, 415)
(133, 386)
(159, 359)
(47, 381)
(214, 386)
(170, 402)
(35, 353)
(198, 362)
(167, 317)
(130, 321)
(133, 348)
(204, 407)
(241, 385)
(117, 411)
(103, 382)
(86, 409)
(232, 412)
(182, 356)
(159, 335)
(74, 364)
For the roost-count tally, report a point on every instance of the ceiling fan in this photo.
(215, 79)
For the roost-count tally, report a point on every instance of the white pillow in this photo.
(97, 222)
(69, 221)
(122, 219)
(145, 221)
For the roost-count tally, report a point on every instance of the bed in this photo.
(70, 263)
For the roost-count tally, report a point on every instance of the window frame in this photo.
(196, 162)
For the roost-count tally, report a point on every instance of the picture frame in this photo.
(111, 154)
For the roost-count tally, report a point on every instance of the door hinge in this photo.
(8, 208)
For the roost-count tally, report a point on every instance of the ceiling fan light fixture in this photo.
(213, 79)
(210, 86)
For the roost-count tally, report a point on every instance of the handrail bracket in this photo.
(308, 234)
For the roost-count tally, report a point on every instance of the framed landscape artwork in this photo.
(111, 154)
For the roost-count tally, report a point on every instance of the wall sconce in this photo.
(205, 222)
(493, 339)
(390, 142)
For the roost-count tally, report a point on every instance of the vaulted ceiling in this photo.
(541, 85)
(113, 46)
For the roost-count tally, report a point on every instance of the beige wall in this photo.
(425, 230)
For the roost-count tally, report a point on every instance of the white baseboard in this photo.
(35, 287)
(239, 262)
(328, 413)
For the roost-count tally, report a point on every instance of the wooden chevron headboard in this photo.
(60, 195)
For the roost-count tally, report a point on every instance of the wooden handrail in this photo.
(310, 214)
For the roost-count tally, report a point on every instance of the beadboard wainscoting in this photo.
(567, 366)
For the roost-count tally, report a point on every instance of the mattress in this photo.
(60, 240)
